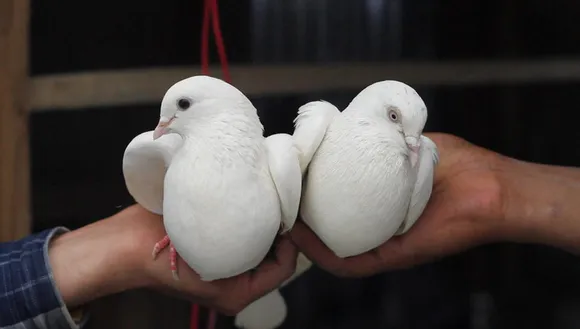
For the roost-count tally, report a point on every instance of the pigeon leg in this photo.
(162, 244)
(173, 261)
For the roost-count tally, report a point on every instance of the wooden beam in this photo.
(14, 160)
(138, 86)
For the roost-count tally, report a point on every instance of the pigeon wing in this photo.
(428, 160)
(145, 162)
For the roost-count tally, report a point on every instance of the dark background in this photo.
(76, 155)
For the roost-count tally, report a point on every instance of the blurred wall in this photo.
(76, 155)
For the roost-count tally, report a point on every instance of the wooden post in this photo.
(14, 158)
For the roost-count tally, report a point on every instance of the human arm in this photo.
(28, 297)
(542, 204)
(113, 255)
(479, 196)
(120, 259)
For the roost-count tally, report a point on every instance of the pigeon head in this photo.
(399, 105)
(187, 98)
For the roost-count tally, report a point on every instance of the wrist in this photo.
(541, 204)
(95, 261)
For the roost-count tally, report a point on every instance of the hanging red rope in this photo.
(205, 38)
(210, 11)
(194, 321)
(220, 42)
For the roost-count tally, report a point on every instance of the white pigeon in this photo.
(371, 173)
(223, 189)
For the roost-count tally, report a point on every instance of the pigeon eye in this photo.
(393, 115)
(183, 104)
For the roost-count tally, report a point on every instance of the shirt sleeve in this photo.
(29, 298)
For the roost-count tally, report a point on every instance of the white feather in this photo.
(310, 126)
(358, 185)
(285, 171)
(144, 164)
(267, 312)
(428, 160)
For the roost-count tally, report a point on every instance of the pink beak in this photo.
(413, 143)
(162, 126)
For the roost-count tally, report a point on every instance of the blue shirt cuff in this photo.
(29, 298)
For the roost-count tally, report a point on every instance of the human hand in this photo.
(465, 209)
(114, 254)
(229, 296)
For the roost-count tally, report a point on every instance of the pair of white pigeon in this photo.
(225, 190)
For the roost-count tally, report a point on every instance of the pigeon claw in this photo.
(173, 261)
(162, 244)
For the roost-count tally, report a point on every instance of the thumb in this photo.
(270, 275)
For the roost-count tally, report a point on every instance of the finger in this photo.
(314, 248)
(424, 242)
(366, 264)
(270, 275)
(396, 254)
(231, 295)
(318, 252)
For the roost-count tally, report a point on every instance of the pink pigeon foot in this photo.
(162, 244)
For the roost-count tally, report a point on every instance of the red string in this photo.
(220, 42)
(212, 319)
(210, 10)
(205, 37)
(194, 322)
